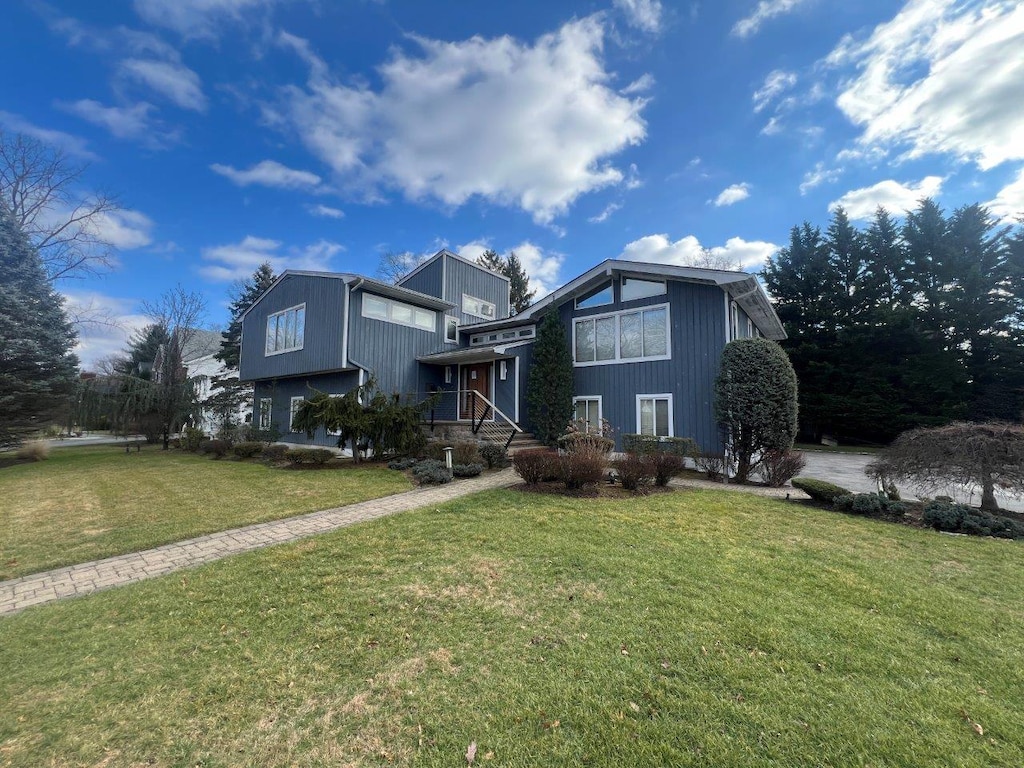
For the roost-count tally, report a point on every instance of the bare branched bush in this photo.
(989, 455)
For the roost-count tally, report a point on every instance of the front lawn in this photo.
(87, 503)
(693, 628)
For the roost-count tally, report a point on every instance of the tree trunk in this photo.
(167, 439)
(988, 495)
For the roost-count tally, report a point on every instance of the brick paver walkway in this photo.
(86, 578)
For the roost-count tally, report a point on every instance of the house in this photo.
(646, 341)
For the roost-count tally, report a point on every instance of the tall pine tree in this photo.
(37, 367)
(511, 267)
(550, 383)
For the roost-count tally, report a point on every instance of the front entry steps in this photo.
(524, 441)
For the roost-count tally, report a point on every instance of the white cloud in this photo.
(104, 324)
(645, 15)
(269, 173)
(773, 126)
(132, 122)
(765, 10)
(940, 77)
(196, 18)
(542, 267)
(73, 145)
(326, 211)
(124, 229)
(778, 81)
(642, 84)
(548, 106)
(819, 175)
(237, 261)
(688, 251)
(891, 195)
(603, 215)
(732, 194)
(175, 81)
(1008, 205)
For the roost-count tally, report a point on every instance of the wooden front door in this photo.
(475, 378)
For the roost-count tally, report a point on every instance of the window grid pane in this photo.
(584, 340)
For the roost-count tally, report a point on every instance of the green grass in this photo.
(87, 503)
(694, 628)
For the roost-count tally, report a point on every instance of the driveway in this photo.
(847, 470)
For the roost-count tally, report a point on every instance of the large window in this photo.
(598, 297)
(266, 405)
(296, 403)
(286, 330)
(622, 337)
(471, 305)
(654, 415)
(635, 288)
(587, 414)
(391, 311)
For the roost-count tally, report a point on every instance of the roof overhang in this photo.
(400, 293)
(471, 355)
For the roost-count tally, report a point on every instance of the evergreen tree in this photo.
(511, 267)
(549, 387)
(37, 367)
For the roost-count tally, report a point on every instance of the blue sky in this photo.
(321, 134)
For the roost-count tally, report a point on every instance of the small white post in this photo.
(448, 457)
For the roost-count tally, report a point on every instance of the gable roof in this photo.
(744, 288)
(445, 252)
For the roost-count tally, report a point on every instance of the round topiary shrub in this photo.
(819, 490)
(467, 470)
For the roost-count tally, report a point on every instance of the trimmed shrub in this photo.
(494, 456)
(678, 446)
(959, 518)
(712, 465)
(535, 465)
(431, 472)
(319, 456)
(248, 450)
(666, 466)
(402, 464)
(275, 453)
(819, 490)
(870, 505)
(34, 450)
(467, 470)
(465, 453)
(779, 467)
(582, 441)
(219, 448)
(434, 451)
(582, 467)
(635, 470)
(191, 439)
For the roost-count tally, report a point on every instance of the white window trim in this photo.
(622, 285)
(481, 302)
(266, 331)
(270, 412)
(734, 320)
(600, 407)
(390, 304)
(618, 360)
(503, 370)
(447, 374)
(750, 328)
(291, 412)
(671, 412)
(448, 318)
(481, 338)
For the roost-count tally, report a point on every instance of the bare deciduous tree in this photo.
(989, 455)
(38, 185)
(394, 266)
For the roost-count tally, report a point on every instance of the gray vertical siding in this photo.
(698, 334)
(282, 390)
(461, 278)
(429, 279)
(322, 343)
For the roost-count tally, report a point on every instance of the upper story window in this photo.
(514, 333)
(635, 288)
(392, 311)
(286, 330)
(596, 298)
(734, 321)
(622, 337)
(451, 329)
(471, 305)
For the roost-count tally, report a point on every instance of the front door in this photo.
(475, 378)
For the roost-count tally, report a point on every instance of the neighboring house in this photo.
(197, 358)
(646, 341)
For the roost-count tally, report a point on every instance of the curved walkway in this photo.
(85, 578)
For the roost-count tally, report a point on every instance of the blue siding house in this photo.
(646, 341)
